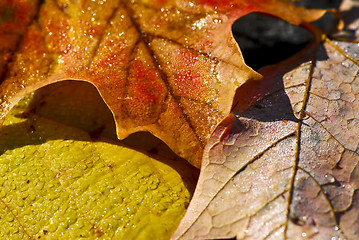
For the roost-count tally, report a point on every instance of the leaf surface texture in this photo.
(168, 67)
(286, 168)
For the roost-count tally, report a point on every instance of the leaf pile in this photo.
(284, 167)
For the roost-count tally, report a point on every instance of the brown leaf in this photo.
(168, 67)
(287, 168)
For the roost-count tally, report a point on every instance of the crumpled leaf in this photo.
(59, 181)
(287, 168)
(168, 67)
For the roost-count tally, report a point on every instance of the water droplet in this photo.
(52, 226)
(20, 203)
(330, 178)
(10, 217)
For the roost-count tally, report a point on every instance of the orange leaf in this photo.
(168, 67)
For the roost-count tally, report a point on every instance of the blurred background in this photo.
(265, 40)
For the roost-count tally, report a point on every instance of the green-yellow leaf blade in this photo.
(57, 182)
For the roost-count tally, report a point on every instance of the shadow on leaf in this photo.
(74, 111)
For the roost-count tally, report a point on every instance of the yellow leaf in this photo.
(61, 182)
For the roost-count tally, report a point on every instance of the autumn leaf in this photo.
(287, 167)
(14, 18)
(167, 67)
(59, 181)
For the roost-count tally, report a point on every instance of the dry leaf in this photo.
(287, 168)
(168, 67)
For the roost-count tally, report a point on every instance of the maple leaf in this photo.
(287, 168)
(168, 67)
